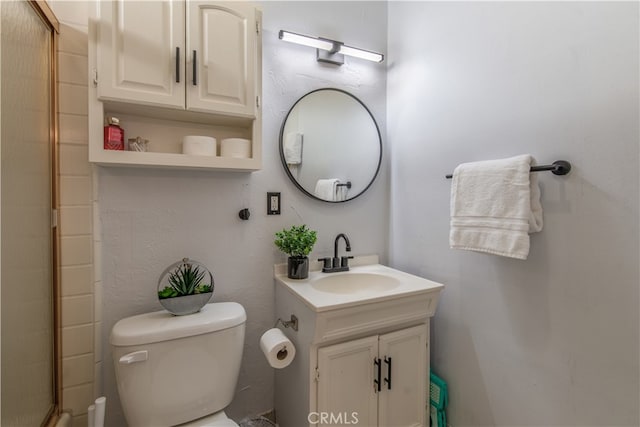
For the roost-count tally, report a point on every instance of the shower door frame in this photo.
(48, 17)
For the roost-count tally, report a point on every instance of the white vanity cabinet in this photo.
(198, 55)
(379, 380)
(168, 69)
(362, 351)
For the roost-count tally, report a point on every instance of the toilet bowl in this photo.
(179, 370)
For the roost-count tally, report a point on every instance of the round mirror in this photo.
(330, 145)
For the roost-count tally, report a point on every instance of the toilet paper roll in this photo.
(196, 145)
(235, 147)
(277, 348)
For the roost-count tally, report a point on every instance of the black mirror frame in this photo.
(284, 163)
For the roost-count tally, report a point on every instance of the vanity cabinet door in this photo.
(347, 372)
(137, 52)
(346, 394)
(222, 42)
(405, 368)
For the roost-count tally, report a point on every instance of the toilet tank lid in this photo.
(163, 326)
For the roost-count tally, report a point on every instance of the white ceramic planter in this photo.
(187, 304)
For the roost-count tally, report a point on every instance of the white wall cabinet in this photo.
(198, 56)
(377, 381)
(221, 46)
(138, 47)
(174, 68)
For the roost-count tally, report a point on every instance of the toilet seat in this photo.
(219, 419)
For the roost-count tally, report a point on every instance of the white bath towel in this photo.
(327, 189)
(293, 148)
(495, 204)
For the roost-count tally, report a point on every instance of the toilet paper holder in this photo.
(293, 323)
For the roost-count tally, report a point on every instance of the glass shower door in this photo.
(26, 235)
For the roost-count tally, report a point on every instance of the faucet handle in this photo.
(344, 261)
(326, 262)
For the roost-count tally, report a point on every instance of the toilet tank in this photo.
(173, 369)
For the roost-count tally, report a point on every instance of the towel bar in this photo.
(559, 167)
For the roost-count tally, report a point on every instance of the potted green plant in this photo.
(185, 287)
(297, 242)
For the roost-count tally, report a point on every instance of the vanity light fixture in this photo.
(328, 50)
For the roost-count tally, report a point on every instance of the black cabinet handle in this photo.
(195, 68)
(388, 379)
(377, 386)
(177, 64)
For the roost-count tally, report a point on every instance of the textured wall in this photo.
(552, 340)
(151, 218)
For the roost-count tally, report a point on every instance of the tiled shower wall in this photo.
(80, 286)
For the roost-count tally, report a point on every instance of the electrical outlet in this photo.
(273, 203)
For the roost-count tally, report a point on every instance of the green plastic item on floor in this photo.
(438, 394)
(438, 418)
(439, 398)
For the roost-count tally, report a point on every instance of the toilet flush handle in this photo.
(136, 356)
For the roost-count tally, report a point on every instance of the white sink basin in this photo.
(354, 283)
(366, 282)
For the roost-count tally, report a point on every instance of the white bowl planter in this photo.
(188, 304)
(185, 287)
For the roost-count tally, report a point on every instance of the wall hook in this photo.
(244, 214)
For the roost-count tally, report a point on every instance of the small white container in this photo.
(235, 147)
(196, 145)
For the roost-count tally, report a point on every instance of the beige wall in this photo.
(80, 290)
(553, 340)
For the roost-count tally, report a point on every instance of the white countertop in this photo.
(405, 284)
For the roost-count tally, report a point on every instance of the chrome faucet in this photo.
(335, 264)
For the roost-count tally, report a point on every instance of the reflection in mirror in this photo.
(330, 145)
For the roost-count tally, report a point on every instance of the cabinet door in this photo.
(403, 402)
(221, 62)
(346, 393)
(137, 56)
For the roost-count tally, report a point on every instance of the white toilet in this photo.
(179, 370)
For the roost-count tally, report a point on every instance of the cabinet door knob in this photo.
(177, 64)
(195, 68)
(377, 386)
(388, 379)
